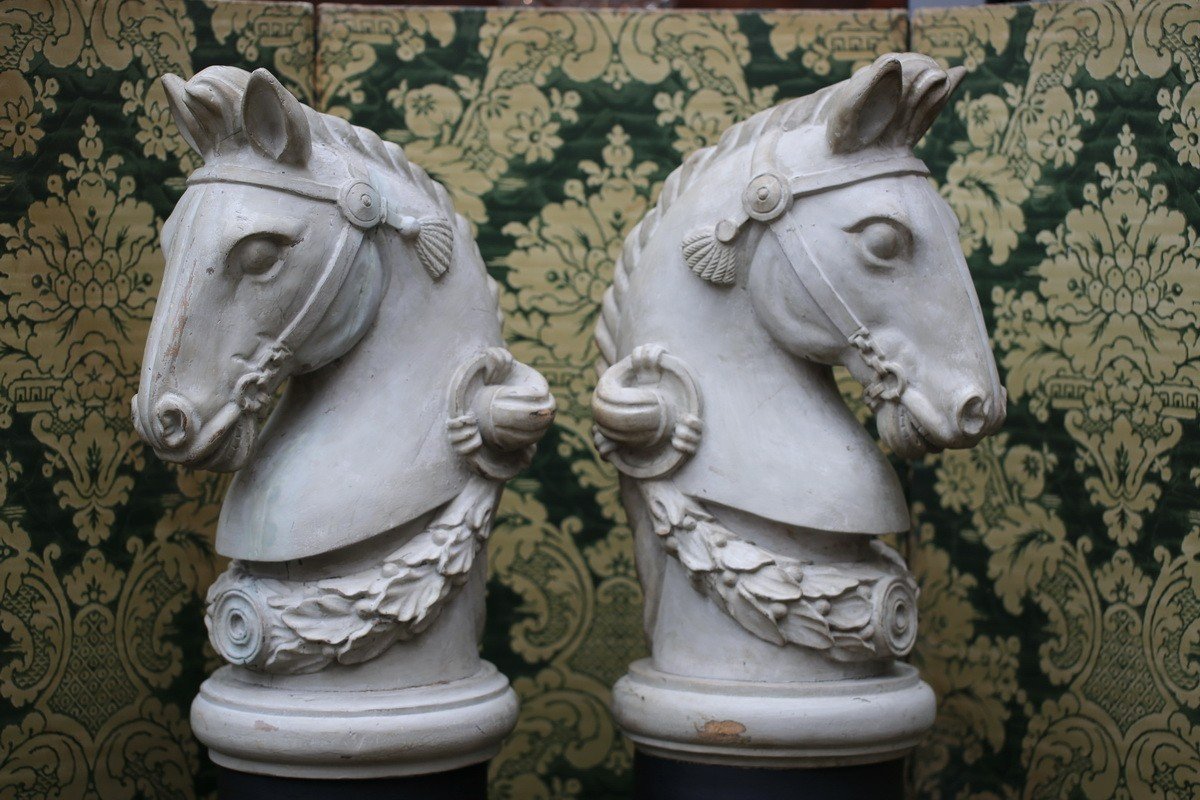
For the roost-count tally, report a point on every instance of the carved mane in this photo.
(925, 89)
(796, 111)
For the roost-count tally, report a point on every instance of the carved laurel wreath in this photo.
(648, 414)
(853, 611)
(297, 627)
(498, 409)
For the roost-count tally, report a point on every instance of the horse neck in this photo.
(359, 447)
(423, 330)
(779, 442)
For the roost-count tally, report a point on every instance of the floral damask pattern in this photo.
(1059, 562)
(104, 553)
(554, 130)
(1071, 161)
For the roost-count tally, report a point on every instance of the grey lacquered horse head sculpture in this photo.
(309, 251)
(808, 237)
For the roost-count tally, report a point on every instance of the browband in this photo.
(767, 197)
(363, 208)
(358, 200)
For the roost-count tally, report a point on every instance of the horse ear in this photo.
(184, 112)
(865, 106)
(932, 96)
(274, 120)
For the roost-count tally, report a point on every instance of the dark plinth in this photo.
(468, 783)
(663, 779)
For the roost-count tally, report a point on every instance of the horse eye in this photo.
(258, 253)
(884, 240)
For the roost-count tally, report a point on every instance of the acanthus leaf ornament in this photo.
(852, 611)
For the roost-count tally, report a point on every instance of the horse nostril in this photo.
(972, 416)
(173, 424)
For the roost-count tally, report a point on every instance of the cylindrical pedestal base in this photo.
(466, 783)
(265, 729)
(773, 725)
(665, 779)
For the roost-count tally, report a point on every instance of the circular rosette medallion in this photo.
(895, 614)
(237, 625)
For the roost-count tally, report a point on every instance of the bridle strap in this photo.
(363, 209)
(809, 271)
(768, 197)
(325, 290)
(817, 283)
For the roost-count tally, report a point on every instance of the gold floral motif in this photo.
(91, 658)
(973, 676)
(471, 133)
(1096, 735)
(1182, 111)
(564, 712)
(562, 264)
(1112, 336)
(78, 272)
(89, 35)
(964, 38)
(348, 40)
(824, 38)
(22, 106)
(276, 26)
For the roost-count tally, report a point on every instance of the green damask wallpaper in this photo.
(1060, 563)
(104, 551)
(553, 130)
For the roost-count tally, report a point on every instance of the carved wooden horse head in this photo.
(309, 248)
(809, 236)
(845, 251)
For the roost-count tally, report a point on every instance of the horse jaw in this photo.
(233, 449)
(903, 433)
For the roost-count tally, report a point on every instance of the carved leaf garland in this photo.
(305, 626)
(831, 607)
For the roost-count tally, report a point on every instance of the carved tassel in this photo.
(709, 257)
(434, 240)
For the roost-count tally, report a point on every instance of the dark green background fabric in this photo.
(1058, 562)
(105, 552)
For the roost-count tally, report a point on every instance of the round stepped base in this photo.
(773, 725)
(305, 733)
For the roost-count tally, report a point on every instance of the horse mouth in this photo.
(231, 448)
(903, 433)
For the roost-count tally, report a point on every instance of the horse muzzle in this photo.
(912, 427)
(177, 432)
